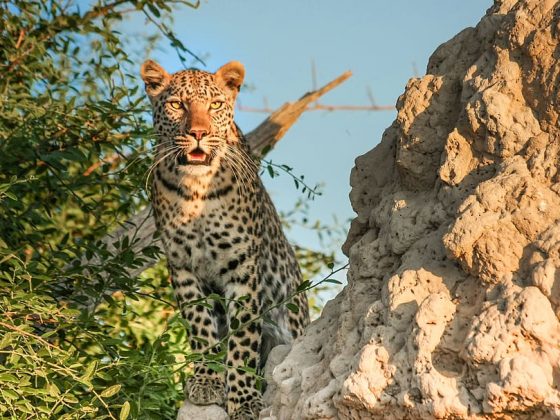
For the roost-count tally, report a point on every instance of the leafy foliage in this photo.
(74, 152)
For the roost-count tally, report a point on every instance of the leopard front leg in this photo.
(244, 401)
(205, 386)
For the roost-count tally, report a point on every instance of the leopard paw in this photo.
(201, 390)
(248, 410)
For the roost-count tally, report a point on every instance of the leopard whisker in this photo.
(244, 160)
(237, 172)
(232, 163)
(246, 173)
(152, 167)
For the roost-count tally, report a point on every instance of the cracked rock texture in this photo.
(453, 300)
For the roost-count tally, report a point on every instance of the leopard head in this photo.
(193, 116)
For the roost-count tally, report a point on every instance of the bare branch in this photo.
(313, 75)
(265, 136)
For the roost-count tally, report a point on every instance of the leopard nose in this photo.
(198, 133)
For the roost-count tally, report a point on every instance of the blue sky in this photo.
(382, 43)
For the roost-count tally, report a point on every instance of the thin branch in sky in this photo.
(317, 106)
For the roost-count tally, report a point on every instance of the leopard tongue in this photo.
(197, 155)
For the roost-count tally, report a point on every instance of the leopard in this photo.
(234, 273)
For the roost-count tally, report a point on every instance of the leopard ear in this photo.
(230, 77)
(155, 77)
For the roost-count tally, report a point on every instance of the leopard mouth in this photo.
(194, 157)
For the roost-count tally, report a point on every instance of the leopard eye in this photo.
(216, 105)
(176, 105)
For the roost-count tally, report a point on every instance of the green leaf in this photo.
(53, 389)
(216, 367)
(112, 390)
(6, 340)
(333, 281)
(69, 398)
(292, 307)
(9, 394)
(125, 411)
(304, 285)
(9, 195)
(6, 377)
(89, 371)
(43, 409)
(270, 170)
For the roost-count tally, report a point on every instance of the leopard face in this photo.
(193, 114)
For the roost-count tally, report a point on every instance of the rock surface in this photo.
(453, 300)
(190, 411)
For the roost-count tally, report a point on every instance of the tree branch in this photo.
(265, 136)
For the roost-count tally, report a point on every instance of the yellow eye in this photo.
(176, 105)
(216, 105)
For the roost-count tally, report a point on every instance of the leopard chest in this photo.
(209, 238)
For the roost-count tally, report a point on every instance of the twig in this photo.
(20, 38)
(111, 159)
